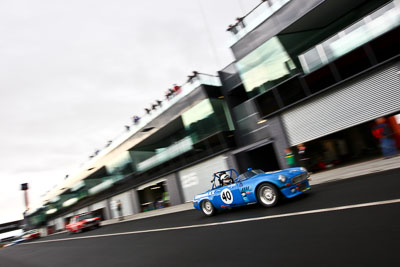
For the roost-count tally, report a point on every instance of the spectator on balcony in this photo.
(135, 119)
(192, 77)
(268, 2)
(168, 94)
(109, 143)
(232, 29)
(240, 22)
(176, 88)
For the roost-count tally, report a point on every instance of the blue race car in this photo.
(229, 189)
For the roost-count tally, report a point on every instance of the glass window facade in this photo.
(202, 120)
(352, 37)
(206, 118)
(265, 67)
(120, 165)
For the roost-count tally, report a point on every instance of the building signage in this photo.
(189, 180)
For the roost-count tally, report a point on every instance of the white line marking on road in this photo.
(370, 204)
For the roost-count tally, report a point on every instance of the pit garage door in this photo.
(360, 100)
(196, 179)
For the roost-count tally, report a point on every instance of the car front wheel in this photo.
(267, 195)
(207, 208)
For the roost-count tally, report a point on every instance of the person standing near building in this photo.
(304, 159)
(119, 209)
(384, 134)
(289, 156)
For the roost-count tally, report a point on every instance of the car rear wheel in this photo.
(207, 208)
(267, 195)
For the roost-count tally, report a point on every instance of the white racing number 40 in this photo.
(227, 196)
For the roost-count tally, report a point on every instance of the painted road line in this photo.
(355, 206)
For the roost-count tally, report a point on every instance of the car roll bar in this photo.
(216, 175)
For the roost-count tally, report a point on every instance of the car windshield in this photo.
(249, 174)
(85, 216)
(27, 233)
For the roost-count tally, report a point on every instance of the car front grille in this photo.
(299, 178)
(302, 187)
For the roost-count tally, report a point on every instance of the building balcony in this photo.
(254, 18)
(144, 122)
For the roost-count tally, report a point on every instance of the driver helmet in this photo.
(226, 179)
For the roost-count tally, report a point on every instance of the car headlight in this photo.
(282, 178)
(303, 169)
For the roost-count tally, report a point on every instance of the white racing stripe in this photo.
(378, 203)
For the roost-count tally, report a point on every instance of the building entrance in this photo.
(154, 196)
(99, 213)
(262, 157)
(352, 145)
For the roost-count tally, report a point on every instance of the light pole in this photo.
(24, 187)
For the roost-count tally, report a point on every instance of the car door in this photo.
(227, 196)
(247, 191)
(73, 224)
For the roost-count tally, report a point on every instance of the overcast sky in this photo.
(72, 73)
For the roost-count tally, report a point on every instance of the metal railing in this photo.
(254, 18)
(185, 89)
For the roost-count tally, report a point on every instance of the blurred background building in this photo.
(312, 76)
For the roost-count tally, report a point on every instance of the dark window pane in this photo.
(386, 46)
(352, 63)
(267, 103)
(291, 91)
(320, 79)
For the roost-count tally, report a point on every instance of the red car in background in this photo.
(82, 222)
(32, 234)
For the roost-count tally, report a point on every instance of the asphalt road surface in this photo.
(354, 222)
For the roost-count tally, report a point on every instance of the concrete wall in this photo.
(135, 201)
(59, 224)
(126, 201)
(174, 189)
(43, 231)
(280, 140)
